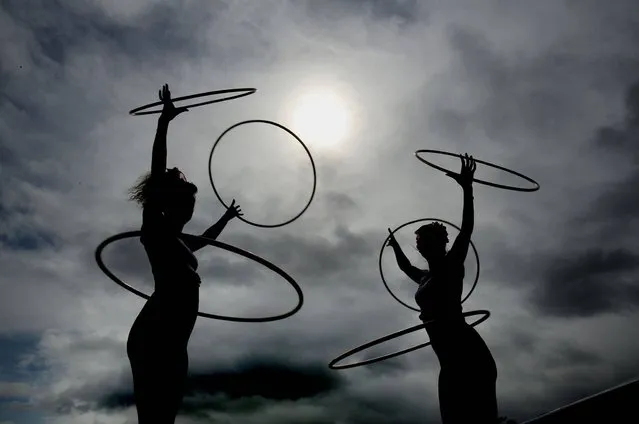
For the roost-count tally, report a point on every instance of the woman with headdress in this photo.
(157, 343)
(468, 373)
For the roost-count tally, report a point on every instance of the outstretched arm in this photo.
(404, 264)
(465, 179)
(195, 244)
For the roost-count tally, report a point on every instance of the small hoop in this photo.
(230, 248)
(391, 336)
(250, 121)
(243, 92)
(488, 183)
(381, 252)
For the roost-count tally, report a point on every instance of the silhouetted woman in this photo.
(468, 373)
(157, 344)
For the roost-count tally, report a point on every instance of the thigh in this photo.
(467, 397)
(159, 381)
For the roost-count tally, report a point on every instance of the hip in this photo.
(460, 345)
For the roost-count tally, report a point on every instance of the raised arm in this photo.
(404, 264)
(465, 179)
(214, 230)
(158, 160)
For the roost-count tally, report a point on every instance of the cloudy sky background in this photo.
(549, 89)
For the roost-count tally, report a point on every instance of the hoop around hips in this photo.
(488, 183)
(230, 248)
(263, 121)
(331, 365)
(242, 92)
(381, 252)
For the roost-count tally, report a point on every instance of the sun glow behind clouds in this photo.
(322, 117)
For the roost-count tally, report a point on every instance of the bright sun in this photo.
(322, 117)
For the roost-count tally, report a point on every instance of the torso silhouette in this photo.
(439, 292)
(439, 298)
(169, 315)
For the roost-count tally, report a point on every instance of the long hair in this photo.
(146, 187)
(141, 191)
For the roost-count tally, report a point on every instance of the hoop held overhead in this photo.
(488, 183)
(381, 252)
(263, 121)
(391, 336)
(243, 92)
(230, 248)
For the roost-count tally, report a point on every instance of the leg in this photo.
(159, 385)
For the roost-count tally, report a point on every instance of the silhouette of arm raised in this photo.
(465, 179)
(404, 264)
(214, 230)
(169, 111)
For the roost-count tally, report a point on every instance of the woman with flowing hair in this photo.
(157, 343)
(468, 373)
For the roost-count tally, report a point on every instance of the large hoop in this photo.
(230, 248)
(488, 183)
(296, 138)
(381, 252)
(391, 336)
(243, 92)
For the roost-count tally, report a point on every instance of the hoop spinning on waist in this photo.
(391, 336)
(230, 248)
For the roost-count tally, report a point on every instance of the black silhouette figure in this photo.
(157, 344)
(467, 378)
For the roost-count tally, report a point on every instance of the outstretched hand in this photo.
(392, 241)
(169, 111)
(233, 211)
(465, 177)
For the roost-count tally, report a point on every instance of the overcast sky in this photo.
(547, 88)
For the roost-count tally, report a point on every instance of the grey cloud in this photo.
(316, 257)
(63, 26)
(406, 11)
(588, 283)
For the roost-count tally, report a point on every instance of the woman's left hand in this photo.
(169, 111)
(233, 211)
(465, 177)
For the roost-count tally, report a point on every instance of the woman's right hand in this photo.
(392, 242)
(169, 111)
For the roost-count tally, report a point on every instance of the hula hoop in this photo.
(488, 183)
(391, 336)
(381, 252)
(230, 248)
(250, 121)
(243, 92)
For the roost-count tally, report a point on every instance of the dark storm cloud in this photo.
(60, 27)
(272, 380)
(531, 96)
(620, 202)
(25, 239)
(588, 283)
(584, 283)
(267, 379)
